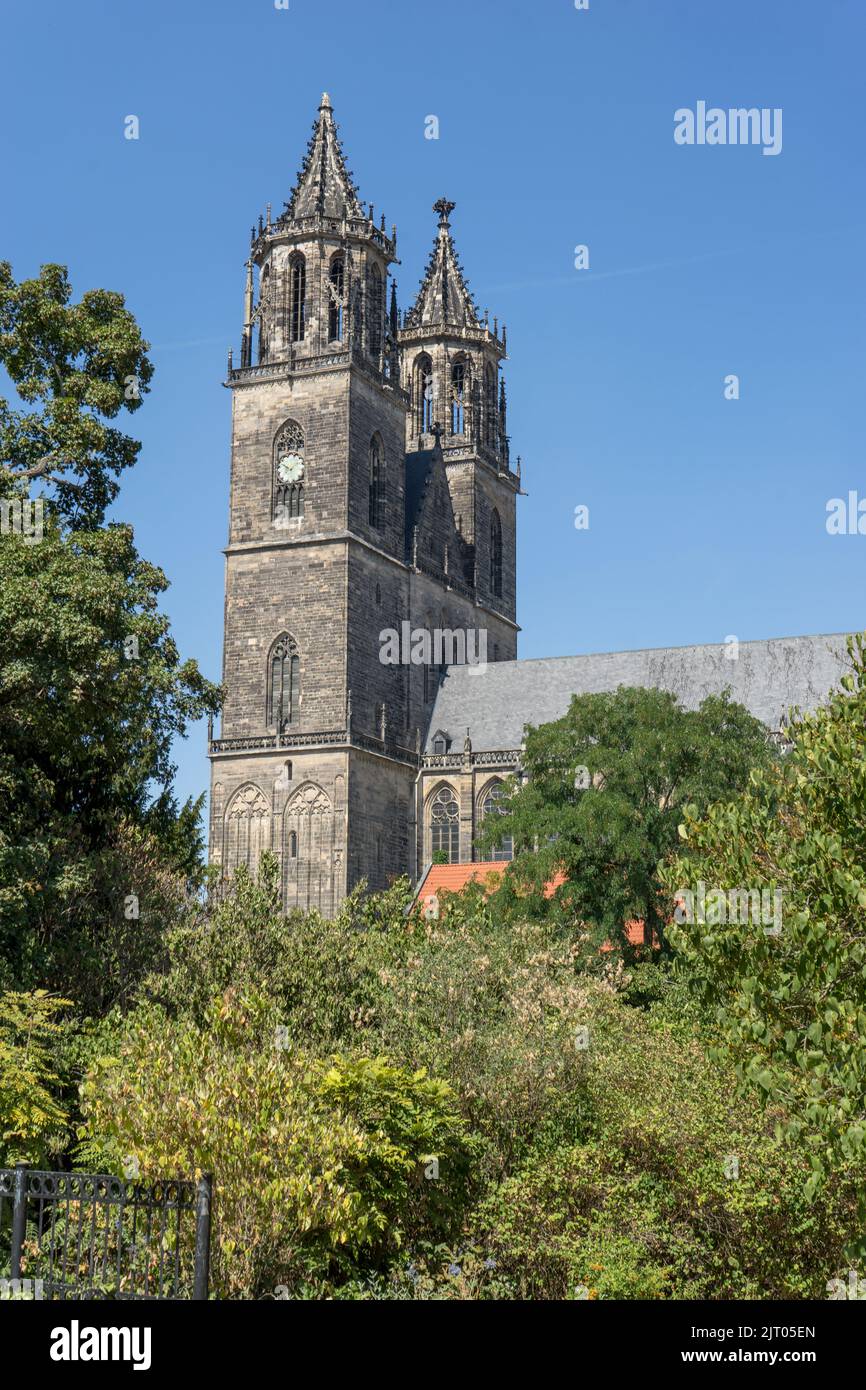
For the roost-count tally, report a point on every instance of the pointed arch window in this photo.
(495, 554)
(424, 395)
(297, 297)
(490, 409)
(289, 472)
(309, 850)
(445, 825)
(376, 484)
(284, 683)
(492, 806)
(264, 312)
(432, 676)
(336, 288)
(374, 309)
(458, 397)
(247, 830)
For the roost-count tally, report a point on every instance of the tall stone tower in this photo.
(450, 370)
(354, 510)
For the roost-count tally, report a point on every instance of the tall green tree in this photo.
(603, 797)
(32, 1114)
(74, 368)
(791, 1001)
(93, 848)
(92, 693)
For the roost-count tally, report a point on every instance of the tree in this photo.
(603, 796)
(93, 848)
(790, 991)
(31, 1111)
(92, 692)
(320, 1163)
(82, 364)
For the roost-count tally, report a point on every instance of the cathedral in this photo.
(372, 492)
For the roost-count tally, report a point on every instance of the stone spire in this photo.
(324, 186)
(444, 297)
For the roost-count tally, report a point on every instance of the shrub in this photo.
(632, 1193)
(31, 1112)
(319, 1166)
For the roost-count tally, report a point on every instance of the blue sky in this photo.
(707, 516)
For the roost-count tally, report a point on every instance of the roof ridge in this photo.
(680, 647)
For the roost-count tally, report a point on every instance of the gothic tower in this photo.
(338, 535)
(451, 373)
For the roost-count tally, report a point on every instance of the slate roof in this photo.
(418, 468)
(768, 678)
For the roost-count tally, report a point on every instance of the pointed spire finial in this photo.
(324, 186)
(394, 313)
(444, 296)
(443, 207)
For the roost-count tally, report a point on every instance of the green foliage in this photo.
(81, 364)
(95, 855)
(792, 1006)
(417, 1158)
(642, 757)
(244, 941)
(493, 1008)
(626, 1193)
(86, 727)
(599, 1118)
(31, 1112)
(320, 1163)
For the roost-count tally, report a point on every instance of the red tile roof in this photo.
(453, 877)
(450, 878)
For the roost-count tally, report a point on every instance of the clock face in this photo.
(290, 468)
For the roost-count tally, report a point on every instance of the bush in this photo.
(595, 1116)
(31, 1112)
(319, 1166)
(790, 994)
(630, 1196)
(245, 942)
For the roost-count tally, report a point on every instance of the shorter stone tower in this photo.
(451, 373)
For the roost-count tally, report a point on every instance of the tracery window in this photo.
(424, 395)
(445, 824)
(458, 397)
(492, 806)
(297, 297)
(374, 309)
(289, 471)
(490, 406)
(376, 485)
(336, 283)
(247, 829)
(264, 312)
(284, 683)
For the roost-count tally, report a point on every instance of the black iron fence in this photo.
(92, 1235)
